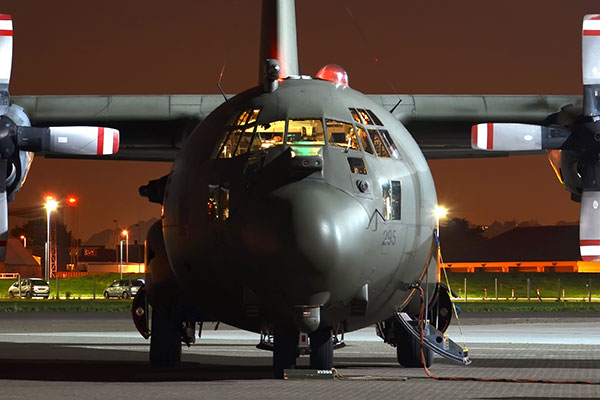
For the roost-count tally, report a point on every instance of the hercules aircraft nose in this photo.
(306, 239)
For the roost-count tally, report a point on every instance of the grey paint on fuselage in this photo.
(313, 241)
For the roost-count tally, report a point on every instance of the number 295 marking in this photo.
(389, 238)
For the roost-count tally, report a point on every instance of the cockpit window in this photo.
(378, 143)
(305, 131)
(355, 116)
(230, 144)
(253, 115)
(364, 139)
(244, 142)
(268, 135)
(365, 117)
(390, 143)
(341, 134)
(374, 117)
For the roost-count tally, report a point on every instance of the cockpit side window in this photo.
(385, 135)
(374, 118)
(380, 147)
(341, 134)
(364, 139)
(305, 131)
(228, 149)
(238, 136)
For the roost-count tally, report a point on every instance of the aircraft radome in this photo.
(300, 209)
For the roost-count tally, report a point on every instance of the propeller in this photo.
(581, 138)
(18, 139)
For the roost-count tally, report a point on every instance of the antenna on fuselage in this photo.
(219, 83)
(278, 37)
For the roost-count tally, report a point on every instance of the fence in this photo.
(525, 287)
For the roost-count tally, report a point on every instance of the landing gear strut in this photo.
(321, 349)
(285, 350)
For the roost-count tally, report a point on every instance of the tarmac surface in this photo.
(101, 356)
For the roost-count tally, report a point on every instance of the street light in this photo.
(126, 234)
(439, 212)
(51, 205)
(24, 239)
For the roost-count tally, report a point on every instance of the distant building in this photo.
(19, 260)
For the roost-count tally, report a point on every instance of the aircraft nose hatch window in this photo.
(341, 134)
(305, 131)
(357, 165)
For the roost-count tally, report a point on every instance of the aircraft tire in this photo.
(321, 349)
(165, 341)
(285, 350)
(408, 350)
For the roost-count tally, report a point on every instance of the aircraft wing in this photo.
(154, 127)
(441, 125)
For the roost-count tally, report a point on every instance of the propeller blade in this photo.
(517, 137)
(80, 140)
(6, 48)
(590, 62)
(3, 210)
(589, 226)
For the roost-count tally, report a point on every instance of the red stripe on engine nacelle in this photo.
(115, 142)
(5, 17)
(589, 32)
(589, 242)
(474, 136)
(590, 258)
(6, 33)
(490, 136)
(100, 149)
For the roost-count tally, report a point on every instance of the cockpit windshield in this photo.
(268, 135)
(341, 134)
(305, 131)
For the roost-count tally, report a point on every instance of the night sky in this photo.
(180, 46)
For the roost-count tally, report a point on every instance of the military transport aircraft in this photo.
(301, 209)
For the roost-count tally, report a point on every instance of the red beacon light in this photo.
(333, 73)
(72, 201)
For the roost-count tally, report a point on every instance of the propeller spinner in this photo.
(582, 138)
(16, 140)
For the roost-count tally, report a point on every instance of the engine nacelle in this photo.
(565, 166)
(19, 163)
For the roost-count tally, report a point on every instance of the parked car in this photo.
(124, 288)
(30, 287)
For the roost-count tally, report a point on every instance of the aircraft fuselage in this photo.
(309, 196)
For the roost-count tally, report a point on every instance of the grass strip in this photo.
(41, 305)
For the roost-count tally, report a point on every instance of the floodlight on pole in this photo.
(125, 233)
(51, 205)
(24, 239)
(439, 212)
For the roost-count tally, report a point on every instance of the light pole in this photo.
(121, 263)
(126, 234)
(440, 212)
(24, 239)
(50, 205)
(138, 247)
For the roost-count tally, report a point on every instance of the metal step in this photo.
(435, 340)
